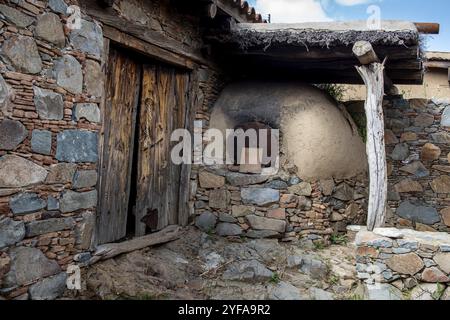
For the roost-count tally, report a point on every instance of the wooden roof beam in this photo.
(427, 27)
(366, 55)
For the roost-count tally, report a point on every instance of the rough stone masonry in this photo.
(412, 264)
(50, 90)
(233, 203)
(51, 86)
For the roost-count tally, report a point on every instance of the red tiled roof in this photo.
(246, 12)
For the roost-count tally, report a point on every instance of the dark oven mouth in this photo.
(250, 130)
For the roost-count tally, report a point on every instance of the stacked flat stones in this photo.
(282, 206)
(50, 89)
(417, 263)
(417, 144)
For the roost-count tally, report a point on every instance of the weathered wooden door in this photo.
(165, 106)
(122, 97)
(144, 104)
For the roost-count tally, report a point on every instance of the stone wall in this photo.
(276, 206)
(417, 264)
(417, 146)
(283, 206)
(51, 87)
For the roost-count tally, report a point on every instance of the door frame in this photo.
(112, 36)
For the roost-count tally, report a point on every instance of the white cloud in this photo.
(290, 11)
(349, 3)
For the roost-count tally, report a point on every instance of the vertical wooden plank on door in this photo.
(148, 139)
(164, 93)
(122, 95)
(105, 68)
(163, 109)
(191, 89)
(180, 104)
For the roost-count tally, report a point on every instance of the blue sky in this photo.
(323, 10)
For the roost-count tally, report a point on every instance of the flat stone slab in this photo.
(411, 237)
(260, 196)
(61, 173)
(41, 142)
(85, 179)
(416, 168)
(77, 146)
(407, 264)
(20, 272)
(89, 38)
(320, 295)
(50, 28)
(93, 78)
(210, 180)
(88, 111)
(382, 292)
(22, 53)
(219, 199)
(242, 211)
(228, 229)
(419, 213)
(49, 104)
(17, 172)
(12, 133)
(241, 179)
(72, 201)
(286, 291)
(248, 271)
(37, 228)
(68, 74)
(50, 288)
(4, 93)
(344, 192)
(25, 203)
(301, 189)
(206, 221)
(261, 223)
(366, 238)
(15, 16)
(400, 152)
(11, 232)
(445, 120)
(443, 261)
(58, 6)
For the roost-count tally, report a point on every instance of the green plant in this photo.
(334, 279)
(407, 295)
(336, 91)
(319, 245)
(210, 232)
(275, 279)
(439, 292)
(339, 239)
(355, 297)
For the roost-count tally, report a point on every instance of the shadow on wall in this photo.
(318, 136)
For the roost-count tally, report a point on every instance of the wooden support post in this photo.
(372, 72)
